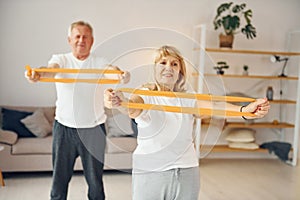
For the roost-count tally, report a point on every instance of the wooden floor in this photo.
(221, 179)
(249, 180)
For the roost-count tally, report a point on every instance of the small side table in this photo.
(1, 176)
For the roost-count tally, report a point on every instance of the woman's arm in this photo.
(260, 107)
(114, 99)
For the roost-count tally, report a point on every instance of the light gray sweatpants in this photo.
(174, 184)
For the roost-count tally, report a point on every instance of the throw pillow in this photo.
(12, 122)
(118, 124)
(37, 123)
(241, 135)
(8, 137)
(243, 145)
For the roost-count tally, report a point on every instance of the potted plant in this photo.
(245, 72)
(229, 17)
(220, 66)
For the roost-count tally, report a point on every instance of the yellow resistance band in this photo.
(187, 95)
(187, 110)
(73, 80)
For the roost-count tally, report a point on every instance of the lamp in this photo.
(275, 59)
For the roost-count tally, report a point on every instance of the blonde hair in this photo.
(79, 23)
(172, 51)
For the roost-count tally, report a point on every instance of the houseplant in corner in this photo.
(230, 17)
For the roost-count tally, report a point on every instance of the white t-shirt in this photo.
(79, 105)
(165, 139)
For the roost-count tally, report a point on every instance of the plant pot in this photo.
(226, 41)
(220, 72)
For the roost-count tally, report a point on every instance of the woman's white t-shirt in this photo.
(165, 139)
(79, 105)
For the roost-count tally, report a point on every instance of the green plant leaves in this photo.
(230, 24)
(238, 8)
(249, 31)
(221, 65)
(223, 7)
(229, 17)
(248, 15)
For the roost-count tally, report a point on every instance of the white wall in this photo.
(32, 30)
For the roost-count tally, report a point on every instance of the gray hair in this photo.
(79, 23)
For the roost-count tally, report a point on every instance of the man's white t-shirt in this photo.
(79, 105)
(165, 139)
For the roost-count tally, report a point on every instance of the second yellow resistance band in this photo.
(187, 110)
(73, 71)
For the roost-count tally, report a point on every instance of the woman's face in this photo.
(167, 71)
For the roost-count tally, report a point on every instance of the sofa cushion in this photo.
(33, 146)
(49, 111)
(37, 123)
(12, 122)
(120, 144)
(118, 124)
(8, 137)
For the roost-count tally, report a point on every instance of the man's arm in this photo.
(125, 77)
(35, 76)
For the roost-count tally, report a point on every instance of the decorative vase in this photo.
(226, 41)
(270, 93)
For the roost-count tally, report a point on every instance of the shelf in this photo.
(201, 74)
(255, 125)
(225, 148)
(282, 101)
(252, 52)
(250, 76)
(259, 125)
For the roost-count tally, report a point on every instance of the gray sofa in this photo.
(34, 153)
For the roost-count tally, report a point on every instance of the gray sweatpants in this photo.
(68, 144)
(174, 184)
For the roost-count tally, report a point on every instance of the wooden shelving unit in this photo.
(202, 53)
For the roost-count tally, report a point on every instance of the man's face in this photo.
(81, 41)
